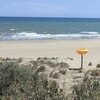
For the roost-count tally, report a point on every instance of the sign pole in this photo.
(82, 51)
(81, 62)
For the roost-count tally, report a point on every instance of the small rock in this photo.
(90, 64)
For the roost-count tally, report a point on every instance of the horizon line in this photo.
(50, 17)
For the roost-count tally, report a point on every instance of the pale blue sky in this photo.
(50, 8)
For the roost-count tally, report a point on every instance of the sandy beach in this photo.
(54, 59)
(64, 49)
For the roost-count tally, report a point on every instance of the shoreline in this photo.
(52, 39)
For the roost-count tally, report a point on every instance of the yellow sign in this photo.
(82, 51)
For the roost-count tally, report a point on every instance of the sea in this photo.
(45, 28)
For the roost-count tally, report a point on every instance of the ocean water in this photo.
(28, 28)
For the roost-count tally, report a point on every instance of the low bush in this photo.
(95, 72)
(89, 89)
(98, 66)
(21, 82)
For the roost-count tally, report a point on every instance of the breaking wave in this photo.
(35, 36)
(85, 32)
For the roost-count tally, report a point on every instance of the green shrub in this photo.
(63, 71)
(95, 72)
(98, 66)
(89, 89)
(7, 73)
(21, 82)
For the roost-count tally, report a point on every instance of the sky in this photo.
(50, 8)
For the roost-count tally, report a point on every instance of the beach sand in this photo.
(64, 49)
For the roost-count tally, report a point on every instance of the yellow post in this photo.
(82, 51)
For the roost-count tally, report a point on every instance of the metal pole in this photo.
(81, 62)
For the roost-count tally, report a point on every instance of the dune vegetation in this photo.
(41, 79)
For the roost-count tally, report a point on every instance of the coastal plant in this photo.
(89, 89)
(6, 75)
(41, 69)
(63, 71)
(64, 65)
(95, 72)
(56, 75)
(20, 60)
(22, 82)
(98, 66)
